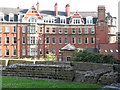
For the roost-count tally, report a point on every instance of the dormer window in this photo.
(48, 19)
(76, 21)
(32, 19)
(89, 20)
(62, 21)
(11, 17)
(1, 16)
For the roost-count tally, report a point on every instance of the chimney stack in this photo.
(56, 9)
(67, 10)
(37, 6)
(101, 12)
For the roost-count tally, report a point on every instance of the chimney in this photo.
(56, 9)
(37, 6)
(67, 10)
(101, 12)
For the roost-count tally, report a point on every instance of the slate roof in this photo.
(9, 10)
(45, 12)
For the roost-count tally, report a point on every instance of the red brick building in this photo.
(35, 33)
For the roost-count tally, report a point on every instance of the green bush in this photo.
(86, 56)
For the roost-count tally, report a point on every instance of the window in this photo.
(47, 51)
(62, 21)
(14, 29)
(60, 40)
(32, 19)
(0, 40)
(79, 40)
(0, 29)
(41, 29)
(0, 52)
(92, 40)
(14, 40)
(68, 58)
(92, 31)
(53, 51)
(7, 52)
(31, 40)
(105, 51)
(76, 21)
(14, 52)
(1, 16)
(116, 50)
(73, 40)
(79, 30)
(66, 40)
(73, 30)
(86, 30)
(11, 17)
(89, 20)
(7, 40)
(60, 30)
(23, 29)
(66, 30)
(54, 30)
(47, 30)
(23, 52)
(7, 29)
(53, 40)
(32, 29)
(23, 40)
(33, 51)
(40, 51)
(86, 40)
(111, 50)
(40, 40)
(47, 40)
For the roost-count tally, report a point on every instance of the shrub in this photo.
(86, 56)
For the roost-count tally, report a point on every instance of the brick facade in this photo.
(38, 31)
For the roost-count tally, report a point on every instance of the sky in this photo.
(75, 5)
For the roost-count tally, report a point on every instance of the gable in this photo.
(32, 12)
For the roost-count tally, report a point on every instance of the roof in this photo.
(9, 10)
(68, 47)
(45, 12)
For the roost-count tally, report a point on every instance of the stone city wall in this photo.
(82, 72)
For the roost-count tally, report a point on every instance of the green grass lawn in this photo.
(13, 82)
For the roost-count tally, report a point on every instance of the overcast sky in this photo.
(75, 5)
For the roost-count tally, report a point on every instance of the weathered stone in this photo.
(109, 78)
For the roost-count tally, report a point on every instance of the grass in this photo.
(14, 82)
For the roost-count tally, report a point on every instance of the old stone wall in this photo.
(81, 72)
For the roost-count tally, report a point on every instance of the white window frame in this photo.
(79, 40)
(6, 52)
(60, 40)
(23, 52)
(41, 41)
(60, 30)
(73, 29)
(85, 40)
(92, 40)
(54, 51)
(89, 20)
(53, 40)
(23, 29)
(86, 31)
(14, 52)
(6, 40)
(0, 29)
(66, 29)
(66, 40)
(14, 40)
(14, 29)
(92, 30)
(7, 29)
(0, 52)
(48, 40)
(74, 39)
(80, 29)
(41, 53)
(23, 40)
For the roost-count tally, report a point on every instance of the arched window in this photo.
(11, 17)
(32, 19)
(89, 20)
(1, 16)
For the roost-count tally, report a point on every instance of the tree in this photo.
(86, 56)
